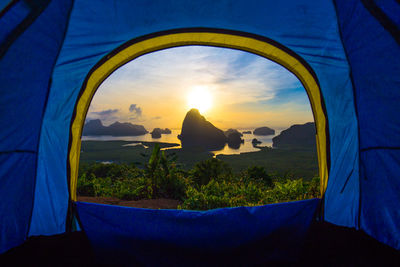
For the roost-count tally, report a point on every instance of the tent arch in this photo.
(255, 44)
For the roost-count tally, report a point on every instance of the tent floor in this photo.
(326, 245)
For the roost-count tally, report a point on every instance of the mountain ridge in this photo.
(96, 127)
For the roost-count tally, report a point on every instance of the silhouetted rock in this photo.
(230, 131)
(198, 132)
(162, 131)
(264, 131)
(95, 127)
(126, 129)
(156, 133)
(234, 139)
(298, 135)
(166, 131)
(255, 141)
(246, 132)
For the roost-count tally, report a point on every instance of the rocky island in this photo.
(156, 133)
(96, 127)
(232, 131)
(255, 142)
(163, 131)
(198, 132)
(264, 131)
(298, 135)
(234, 138)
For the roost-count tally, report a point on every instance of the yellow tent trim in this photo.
(227, 40)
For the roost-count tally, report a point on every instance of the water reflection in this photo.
(247, 146)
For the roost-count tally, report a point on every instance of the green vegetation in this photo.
(210, 183)
(124, 152)
(299, 162)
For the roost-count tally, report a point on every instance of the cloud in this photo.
(106, 113)
(160, 82)
(232, 75)
(136, 110)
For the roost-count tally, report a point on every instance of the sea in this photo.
(247, 146)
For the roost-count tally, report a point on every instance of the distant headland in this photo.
(298, 135)
(96, 127)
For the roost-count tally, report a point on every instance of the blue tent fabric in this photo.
(380, 214)
(377, 91)
(352, 47)
(121, 235)
(17, 13)
(25, 71)
(386, 11)
(18, 177)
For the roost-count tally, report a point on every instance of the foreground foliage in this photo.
(209, 184)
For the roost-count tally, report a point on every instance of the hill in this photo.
(298, 135)
(198, 132)
(96, 127)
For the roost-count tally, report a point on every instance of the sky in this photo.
(232, 89)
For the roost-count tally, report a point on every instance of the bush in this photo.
(257, 172)
(132, 189)
(112, 170)
(85, 186)
(166, 179)
(223, 194)
(205, 171)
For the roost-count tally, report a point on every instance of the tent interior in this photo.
(55, 54)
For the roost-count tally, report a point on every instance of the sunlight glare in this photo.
(200, 98)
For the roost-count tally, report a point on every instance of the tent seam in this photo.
(382, 18)
(8, 7)
(33, 14)
(18, 151)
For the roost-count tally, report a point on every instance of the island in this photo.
(296, 136)
(234, 139)
(255, 142)
(156, 133)
(232, 131)
(166, 131)
(96, 127)
(264, 131)
(162, 131)
(198, 132)
(246, 132)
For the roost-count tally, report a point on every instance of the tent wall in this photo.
(376, 76)
(307, 27)
(25, 71)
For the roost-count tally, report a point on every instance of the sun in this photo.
(200, 98)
